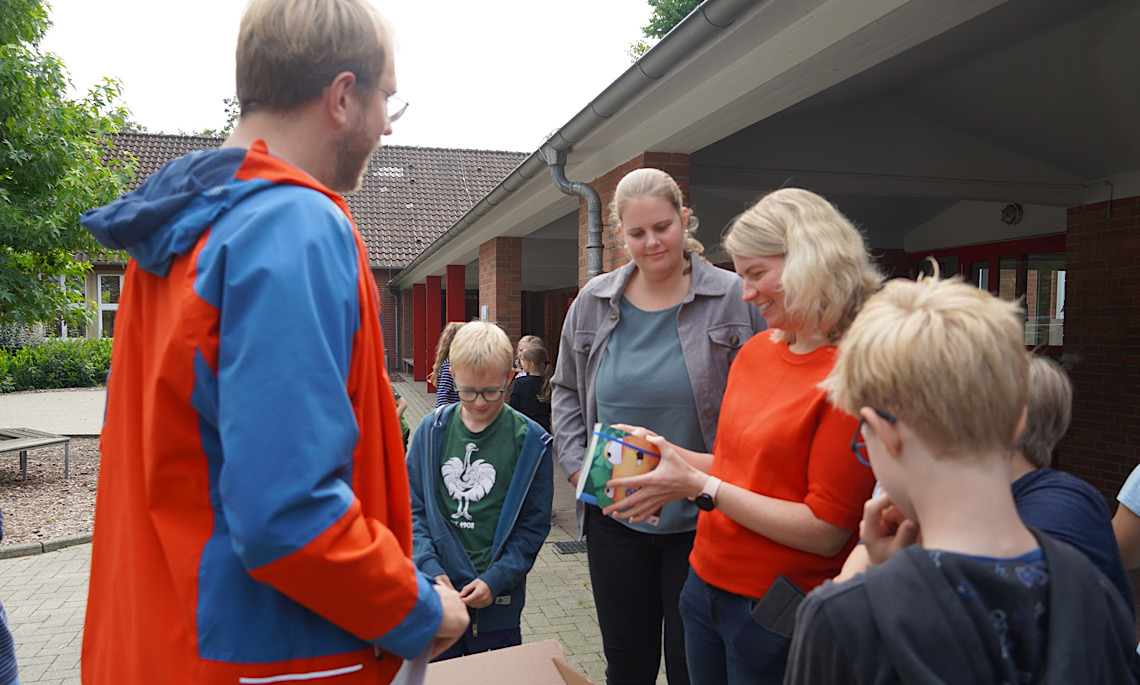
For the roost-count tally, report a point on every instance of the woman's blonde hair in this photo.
(945, 357)
(443, 348)
(289, 50)
(1050, 406)
(650, 182)
(828, 271)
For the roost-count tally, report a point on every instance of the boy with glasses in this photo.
(481, 484)
(937, 372)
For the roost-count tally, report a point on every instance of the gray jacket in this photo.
(712, 322)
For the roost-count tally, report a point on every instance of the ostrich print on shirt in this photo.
(467, 481)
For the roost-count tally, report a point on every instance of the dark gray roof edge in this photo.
(710, 17)
(424, 148)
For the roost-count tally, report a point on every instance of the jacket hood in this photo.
(164, 217)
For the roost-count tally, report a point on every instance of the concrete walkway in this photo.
(46, 594)
(78, 413)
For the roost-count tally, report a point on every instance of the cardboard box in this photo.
(537, 663)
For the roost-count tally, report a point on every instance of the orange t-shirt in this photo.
(779, 436)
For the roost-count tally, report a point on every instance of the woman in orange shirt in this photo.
(781, 492)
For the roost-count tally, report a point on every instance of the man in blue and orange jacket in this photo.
(253, 522)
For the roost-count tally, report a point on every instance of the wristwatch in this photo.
(706, 501)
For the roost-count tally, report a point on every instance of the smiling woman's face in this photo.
(762, 287)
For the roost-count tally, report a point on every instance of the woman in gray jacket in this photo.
(649, 345)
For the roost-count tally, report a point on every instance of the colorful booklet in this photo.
(613, 453)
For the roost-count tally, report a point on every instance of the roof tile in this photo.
(410, 195)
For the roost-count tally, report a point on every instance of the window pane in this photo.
(1044, 298)
(1007, 278)
(109, 289)
(108, 328)
(947, 266)
(980, 274)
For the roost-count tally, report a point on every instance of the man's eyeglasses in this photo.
(395, 106)
(489, 395)
(858, 446)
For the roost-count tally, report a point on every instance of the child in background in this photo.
(8, 674)
(401, 407)
(531, 391)
(440, 375)
(937, 373)
(481, 487)
(525, 342)
(1126, 522)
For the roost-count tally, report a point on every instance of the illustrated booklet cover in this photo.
(613, 453)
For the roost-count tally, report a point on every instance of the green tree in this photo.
(666, 15)
(54, 164)
(233, 111)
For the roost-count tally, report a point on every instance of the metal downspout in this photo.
(556, 159)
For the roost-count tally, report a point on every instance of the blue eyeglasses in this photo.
(858, 446)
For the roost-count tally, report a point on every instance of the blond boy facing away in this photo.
(481, 485)
(937, 373)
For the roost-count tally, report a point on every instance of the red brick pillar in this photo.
(433, 319)
(1102, 342)
(407, 326)
(420, 360)
(456, 292)
(614, 255)
(500, 283)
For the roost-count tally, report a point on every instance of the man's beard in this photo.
(353, 149)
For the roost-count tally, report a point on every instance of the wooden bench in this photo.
(23, 439)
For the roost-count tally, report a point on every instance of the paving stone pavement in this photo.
(45, 595)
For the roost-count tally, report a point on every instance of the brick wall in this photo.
(388, 315)
(1102, 342)
(614, 255)
(500, 281)
(405, 351)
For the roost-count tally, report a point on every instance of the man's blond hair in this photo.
(480, 346)
(289, 50)
(945, 357)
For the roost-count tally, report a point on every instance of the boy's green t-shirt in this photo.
(475, 473)
(404, 427)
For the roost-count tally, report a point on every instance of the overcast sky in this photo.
(495, 75)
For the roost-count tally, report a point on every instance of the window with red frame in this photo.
(1030, 269)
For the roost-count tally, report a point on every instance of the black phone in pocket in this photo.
(777, 608)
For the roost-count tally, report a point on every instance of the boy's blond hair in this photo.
(481, 345)
(828, 271)
(946, 358)
(289, 50)
(1050, 411)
